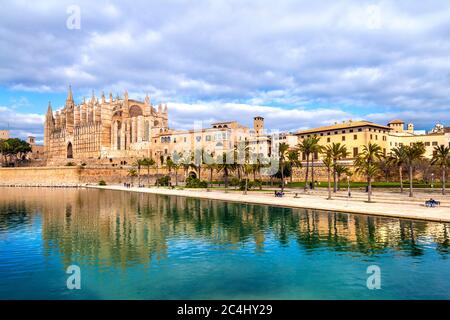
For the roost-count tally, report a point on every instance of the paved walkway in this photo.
(402, 209)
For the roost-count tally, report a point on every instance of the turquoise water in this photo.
(141, 246)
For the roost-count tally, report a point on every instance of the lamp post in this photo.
(349, 193)
(432, 182)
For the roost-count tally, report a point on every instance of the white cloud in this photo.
(330, 60)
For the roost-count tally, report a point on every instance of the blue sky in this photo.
(297, 63)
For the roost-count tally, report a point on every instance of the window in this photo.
(343, 131)
(371, 137)
(328, 133)
(321, 134)
(384, 138)
(434, 143)
(335, 132)
(184, 139)
(359, 129)
(328, 139)
(427, 144)
(355, 137)
(376, 137)
(355, 152)
(208, 138)
(343, 138)
(351, 130)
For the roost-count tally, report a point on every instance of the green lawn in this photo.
(353, 184)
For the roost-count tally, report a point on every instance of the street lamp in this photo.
(349, 193)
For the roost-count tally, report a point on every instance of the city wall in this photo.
(77, 175)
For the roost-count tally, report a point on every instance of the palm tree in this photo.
(148, 162)
(328, 163)
(211, 167)
(226, 166)
(367, 164)
(138, 163)
(293, 161)
(247, 169)
(397, 158)
(368, 169)
(132, 173)
(441, 158)
(413, 153)
(306, 148)
(341, 170)
(282, 153)
(315, 149)
(337, 151)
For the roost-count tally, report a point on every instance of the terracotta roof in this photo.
(343, 125)
(397, 121)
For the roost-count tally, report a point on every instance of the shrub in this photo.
(102, 183)
(195, 183)
(235, 182)
(163, 181)
(250, 184)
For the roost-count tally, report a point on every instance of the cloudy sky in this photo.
(297, 63)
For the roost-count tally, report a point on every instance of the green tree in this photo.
(337, 152)
(132, 173)
(15, 148)
(413, 153)
(226, 163)
(247, 169)
(366, 164)
(397, 158)
(328, 163)
(282, 155)
(293, 161)
(149, 163)
(441, 158)
(340, 171)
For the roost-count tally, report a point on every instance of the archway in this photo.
(69, 151)
(193, 175)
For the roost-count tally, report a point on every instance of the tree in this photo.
(397, 158)
(293, 161)
(282, 154)
(328, 163)
(132, 173)
(441, 158)
(367, 164)
(226, 165)
(341, 170)
(138, 164)
(148, 162)
(413, 153)
(171, 165)
(16, 148)
(337, 151)
(247, 169)
(315, 149)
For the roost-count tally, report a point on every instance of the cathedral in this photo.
(102, 129)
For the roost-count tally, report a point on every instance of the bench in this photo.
(432, 203)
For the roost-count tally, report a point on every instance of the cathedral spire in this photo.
(103, 97)
(147, 100)
(69, 94)
(49, 109)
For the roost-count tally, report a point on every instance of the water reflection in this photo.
(110, 228)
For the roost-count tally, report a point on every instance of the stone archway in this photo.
(69, 151)
(192, 174)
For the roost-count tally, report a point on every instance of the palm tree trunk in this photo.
(139, 176)
(225, 178)
(210, 179)
(369, 193)
(334, 177)
(282, 177)
(400, 173)
(307, 172)
(410, 181)
(329, 184)
(176, 177)
(312, 171)
(148, 175)
(246, 184)
(443, 180)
